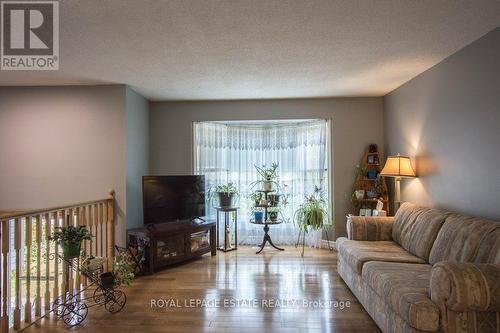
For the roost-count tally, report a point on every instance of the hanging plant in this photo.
(313, 213)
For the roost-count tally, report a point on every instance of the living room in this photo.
(357, 142)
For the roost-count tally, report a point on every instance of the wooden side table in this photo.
(226, 211)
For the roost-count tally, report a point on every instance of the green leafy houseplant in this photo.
(225, 193)
(273, 213)
(122, 273)
(123, 270)
(256, 197)
(269, 176)
(313, 213)
(70, 238)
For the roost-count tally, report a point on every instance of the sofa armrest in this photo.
(370, 228)
(466, 286)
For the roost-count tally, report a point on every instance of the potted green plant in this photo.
(273, 213)
(313, 213)
(70, 239)
(225, 193)
(123, 273)
(256, 197)
(123, 270)
(269, 176)
(258, 215)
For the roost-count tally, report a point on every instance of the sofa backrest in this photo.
(489, 249)
(416, 228)
(466, 239)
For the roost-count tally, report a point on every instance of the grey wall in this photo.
(356, 122)
(137, 113)
(448, 120)
(62, 145)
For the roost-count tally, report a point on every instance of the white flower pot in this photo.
(268, 186)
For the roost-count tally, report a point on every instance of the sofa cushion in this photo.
(489, 249)
(405, 288)
(460, 238)
(415, 228)
(357, 253)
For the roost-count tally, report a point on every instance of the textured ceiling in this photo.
(238, 49)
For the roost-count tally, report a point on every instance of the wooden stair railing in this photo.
(30, 281)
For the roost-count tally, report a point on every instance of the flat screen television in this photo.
(172, 198)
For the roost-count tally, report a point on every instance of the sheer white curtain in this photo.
(228, 152)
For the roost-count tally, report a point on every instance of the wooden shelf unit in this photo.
(362, 182)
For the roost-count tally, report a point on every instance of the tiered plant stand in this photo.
(266, 222)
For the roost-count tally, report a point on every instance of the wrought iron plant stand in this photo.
(73, 305)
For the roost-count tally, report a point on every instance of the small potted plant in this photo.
(313, 213)
(256, 197)
(123, 273)
(273, 213)
(226, 194)
(274, 199)
(258, 215)
(269, 176)
(70, 239)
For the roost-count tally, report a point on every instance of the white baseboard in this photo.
(324, 244)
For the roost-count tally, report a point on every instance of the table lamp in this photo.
(398, 166)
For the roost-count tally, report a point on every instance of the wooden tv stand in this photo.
(173, 242)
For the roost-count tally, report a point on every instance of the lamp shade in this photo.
(398, 166)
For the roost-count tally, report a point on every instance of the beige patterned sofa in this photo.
(424, 270)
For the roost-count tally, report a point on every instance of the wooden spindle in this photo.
(48, 232)
(5, 269)
(105, 234)
(69, 280)
(17, 248)
(28, 240)
(101, 235)
(55, 292)
(97, 235)
(85, 244)
(111, 228)
(38, 300)
(77, 275)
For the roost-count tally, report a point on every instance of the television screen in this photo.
(172, 198)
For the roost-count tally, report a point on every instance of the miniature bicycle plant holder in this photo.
(85, 283)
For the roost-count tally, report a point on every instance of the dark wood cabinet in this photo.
(170, 243)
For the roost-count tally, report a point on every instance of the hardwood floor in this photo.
(237, 276)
